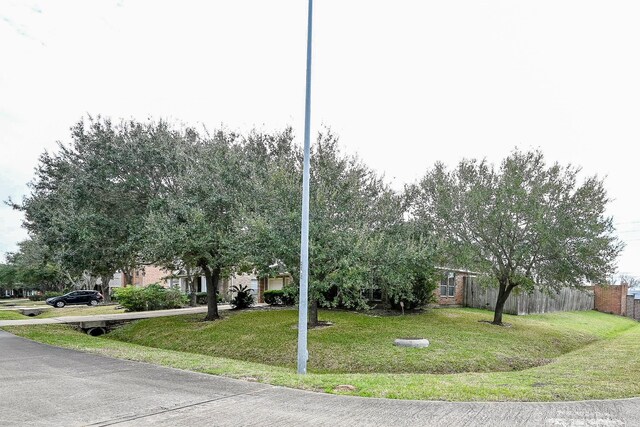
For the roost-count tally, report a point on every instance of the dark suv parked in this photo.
(76, 297)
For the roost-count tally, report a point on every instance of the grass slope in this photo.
(49, 312)
(80, 310)
(586, 355)
(11, 315)
(359, 343)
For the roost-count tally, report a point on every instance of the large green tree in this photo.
(198, 221)
(523, 223)
(89, 198)
(351, 210)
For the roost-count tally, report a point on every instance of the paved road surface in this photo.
(42, 385)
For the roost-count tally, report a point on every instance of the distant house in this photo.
(179, 279)
(450, 291)
(273, 283)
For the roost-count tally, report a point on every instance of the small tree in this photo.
(35, 268)
(523, 223)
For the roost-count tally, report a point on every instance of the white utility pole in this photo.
(303, 354)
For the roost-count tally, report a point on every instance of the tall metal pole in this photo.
(303, 354)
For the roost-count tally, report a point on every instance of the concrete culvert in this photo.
(412, 342)
(96, 332)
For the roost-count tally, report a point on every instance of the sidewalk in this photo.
(119, 316)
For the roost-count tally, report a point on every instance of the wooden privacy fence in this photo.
(567, 299)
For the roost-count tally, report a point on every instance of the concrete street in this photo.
(42, 385)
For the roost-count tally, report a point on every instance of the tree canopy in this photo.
(355, 225)
(89, 199)
(119, 196)
(523, 223)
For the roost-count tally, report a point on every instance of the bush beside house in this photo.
(153, 297)
(243, 297)
(286, 296)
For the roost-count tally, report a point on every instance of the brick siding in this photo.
(611, 299)
(458, 298)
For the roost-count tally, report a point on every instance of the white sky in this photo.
(404, 83)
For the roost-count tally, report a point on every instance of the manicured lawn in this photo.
(11, 315)
(79, 310)
(360, 343)
(21, 302)
(564, 356)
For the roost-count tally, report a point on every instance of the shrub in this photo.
(285, 296)
(42, 297)
(131, 298)
(51, 294)
(415, 292)
(290, 296)
(153, 297)
(243, 298)
(202, 299)
(274, 297)
(174, 298)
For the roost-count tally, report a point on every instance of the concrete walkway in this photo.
(116, 316)
(43, 385)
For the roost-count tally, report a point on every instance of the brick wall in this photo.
(458, 298)
(150, 275)
(611, 299)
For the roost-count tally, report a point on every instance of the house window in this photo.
(448, 286)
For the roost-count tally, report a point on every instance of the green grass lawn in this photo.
(11, 315)
(23, 302)
(360, 343)
(74, 310)
(562, 356)
(80, 310)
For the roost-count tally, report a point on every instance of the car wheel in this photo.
(93, 302)
(59, 304)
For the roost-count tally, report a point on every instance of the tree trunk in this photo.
(503, 293)
(212, 276)
(128, 277)
(193, 298)
(191, 287)
(313, 313)
(104, 288)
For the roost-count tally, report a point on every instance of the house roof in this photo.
(457, 270)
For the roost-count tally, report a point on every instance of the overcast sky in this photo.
(404, 83)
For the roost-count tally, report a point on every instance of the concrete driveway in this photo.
(42, 385)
